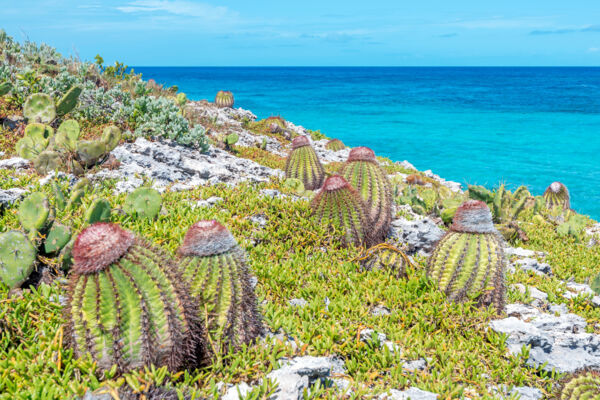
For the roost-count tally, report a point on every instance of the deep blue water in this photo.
(474, 125)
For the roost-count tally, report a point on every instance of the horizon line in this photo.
(364, 66)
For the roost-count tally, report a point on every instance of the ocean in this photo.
(473, 125)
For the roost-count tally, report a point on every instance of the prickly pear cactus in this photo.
(480, 193)
(557, 196)
(57, 238)
(98, 211)
(90, 152)
(468, 262)
(216, 269)
(302, 163)
(230, 140)
(181, 99)
(111, 136)
(39, 107)
(47, 161)
(35, 140)
(581, 385)
(127, 305)
(335, 145)
(363, 172)
(340, 204)
(69, 101)
(17, 258)
(224, 99)
(35, 213)
(143, 202)
(67, 135)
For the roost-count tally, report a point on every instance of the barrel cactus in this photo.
(127, 305)
(69, 101)
(363, 172)
(275, 124)
(557, 196)
(215, 267)
(224, 99)
(340, 204)
(39, 107)
(387, 257)
(335, 145)
(581, 385)
(17, 258)
(303, 163)
(468, 262)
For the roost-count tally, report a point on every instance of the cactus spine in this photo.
(557, 196)
(342, 206)
(302, 163)
(224, 99)
(215, 267)
(387, 257)
(582, 385)
(126, 303)
(363, 172)
(468, 262)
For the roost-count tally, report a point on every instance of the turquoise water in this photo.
(473, 125)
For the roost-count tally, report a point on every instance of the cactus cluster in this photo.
(581, 385)
(127, 305)
(40, 107)
(341, 205)
(557, 196)
(216, 268)
(303, 163)
(468, 262)
(224, 99)
(335, 145)
(64, 151)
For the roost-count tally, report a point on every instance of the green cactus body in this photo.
(363, 172)
(69, 101)
(39, 132)
(224, 99)
(181, 99)
(468, 262)
(295, 186)
(127, 305)
(67, 135)
(5, 88)
(386, 257)
(557, 196)
(580, 386)
(47, 161)
(215, 268)
(17, 258)
(75, 198)
(39, 107)
(90, 152)
(340, 204)
(35, 141)
(303, 163)
(59, 197)
(35, 213)
(480, 193)
(231, 139)
(275, 124)
(111, 136)
(143, 202)
(335, 145)
(98, 211)
(57, 238)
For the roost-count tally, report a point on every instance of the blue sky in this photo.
(314, 32)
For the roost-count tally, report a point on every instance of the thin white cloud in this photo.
(593, 49)
(178, 7)
(500, 22)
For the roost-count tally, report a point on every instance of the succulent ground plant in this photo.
(335, 145)
(217, 272)
(224, 99)
(363, 172)
(581, 385)
(127, 305)
(341, 205)
(303, 163)
(557, 196)
(468, 262)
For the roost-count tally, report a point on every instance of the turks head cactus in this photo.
(340, 204)
(335, 145)
(127, 305)
(582, 385)
(363, 172)
(215, 267)
(303, 163)
(557, 196)
(224, 99)
(468, 262)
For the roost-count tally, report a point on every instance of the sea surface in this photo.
(517, 125)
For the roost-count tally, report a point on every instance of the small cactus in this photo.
(275, 124)
(224, 99)
(584, 384)
(35, 213)
(557, 196)
(340, 204)
(230, 140)
(302, 163)
(39, 107)
(59, 197)
(35, 140)
(111, 136)
(468, 262)
(480, 193)
(387, 257)
(67, 135)
(99, 211)
(335, 145)
(181, 99)
(47, 161)
(126, 304)
(17, 258)
(363, 172)
(69, 101)
(90, 152)
(143, 202)
(215, 268)
(57, 238)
